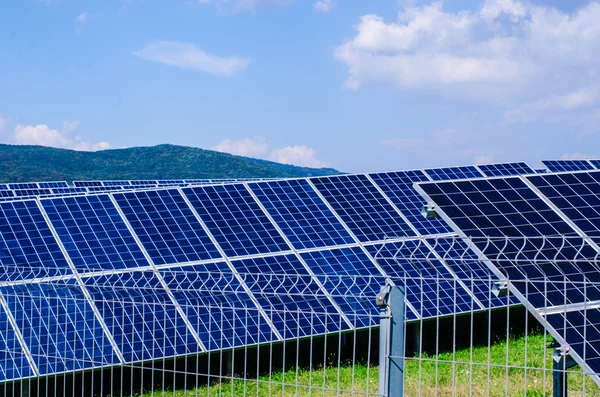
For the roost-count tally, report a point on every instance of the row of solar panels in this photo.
(62, 312)
(545, 237)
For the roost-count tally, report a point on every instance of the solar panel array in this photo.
(122, 272)
(568, 165)
(545, 232)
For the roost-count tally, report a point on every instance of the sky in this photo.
(357, 85)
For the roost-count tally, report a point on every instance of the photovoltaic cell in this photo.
(166, 226)
(296, 304)
(431, 289)
(464, 172)
(576, 195)
(235, 220)
(69, 190)
(141, 316)
(513, 216)
(116, 183)
(87, 183)
(217, 306)
(94, 233)
(24, 185)
(567, 165)
(505, 169)
(301, 214)
(581, 331)
(59, 327)
(13, 362)
(100, 189)
(31, 192)
(398, 186)
(595, 163)
(353, 281)
(27, 247)
(7, 193)
(362, 207)
(51, 185)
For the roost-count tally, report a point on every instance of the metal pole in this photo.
(391, 342)
(561, 361)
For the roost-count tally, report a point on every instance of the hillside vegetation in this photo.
(20, 163)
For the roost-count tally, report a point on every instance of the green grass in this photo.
(441, 375)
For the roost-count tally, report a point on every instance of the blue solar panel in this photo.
(505, 169)
(116, 183)
(508, 208)
(140, 315)
(464, 172)
(87, 183)
(51, 185)
(431, 289)
(218, 308)
(567, 165)
(31, 192)
(100, 189)
(171, 182)
(301, 214)
(7, 193)
(13, 361)
(93, 233)
(290, 296)
(595, 163)
(466, 265)
(352, 279)
(3, 186)
(398, 186)
(581, 330)
(27, 247)
(362, 207)
(69, 190)
(577, 196)
(166, 226)
(59, 327)
(235, 220)
(542, 171)
(23, 185)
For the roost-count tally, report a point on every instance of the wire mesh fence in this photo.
(200, 331)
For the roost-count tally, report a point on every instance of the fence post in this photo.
(561, 362)
(391, 341)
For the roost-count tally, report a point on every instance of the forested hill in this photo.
(20, 163)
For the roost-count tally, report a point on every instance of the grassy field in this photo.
(494, 371)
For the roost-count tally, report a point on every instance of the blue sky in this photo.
(355, 85)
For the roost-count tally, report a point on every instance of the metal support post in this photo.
(561, 362)
(391, 341)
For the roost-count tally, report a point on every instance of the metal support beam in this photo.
(561, 362)
(391, 341)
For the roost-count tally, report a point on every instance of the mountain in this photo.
(21, 163)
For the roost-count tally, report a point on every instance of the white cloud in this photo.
(43, 135)
(484, 158)
(188, 56)
(80, 22)
(249, 147)
(323, 5)
(504, 47)
(258, 147)
(577, 156)
(554, 105)
(297, 155)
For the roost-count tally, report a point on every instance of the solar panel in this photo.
(567, 165)
(292, 299)
(24, 185)
(93, 233)
(31, 192)
(464, 172)
(505, 169)
(235, 220)
(14, 363)
(217, 307)
(101, 189)
(166, 226)
(116, 183)
(595, 163)
(52, 185)
(362, 207)
(140, 315)
(301, 213)
(361, 280)
(87, 183)
(3, 186)
(27, 247)
(508, 208)
(62, 333)
(7, 193)
(398, 186)
(69, 190)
